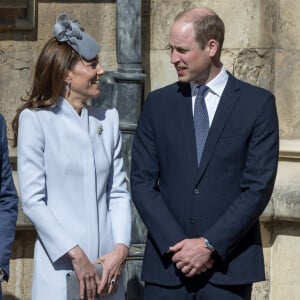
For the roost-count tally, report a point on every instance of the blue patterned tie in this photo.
(201, 121)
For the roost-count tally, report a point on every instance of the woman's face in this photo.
(84, 79)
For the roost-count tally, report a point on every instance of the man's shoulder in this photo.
(172, 87)
(169, 92)
(2, 120)
(247, 87)
(2, 129)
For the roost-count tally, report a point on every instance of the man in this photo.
(203, 171)
(8, 206)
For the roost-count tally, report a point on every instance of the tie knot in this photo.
(202, 90)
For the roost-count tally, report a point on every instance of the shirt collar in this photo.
(216, 85)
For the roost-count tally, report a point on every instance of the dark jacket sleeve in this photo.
(257, 182)
(162, 226)
(8, 202)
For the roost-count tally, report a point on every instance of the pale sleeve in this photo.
(118, 195)
(33, 189)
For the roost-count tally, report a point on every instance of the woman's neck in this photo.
(77, 104)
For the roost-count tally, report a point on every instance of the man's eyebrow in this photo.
(169, 46)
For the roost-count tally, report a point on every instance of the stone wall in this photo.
(262, 46)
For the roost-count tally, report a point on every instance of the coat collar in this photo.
(70, 115)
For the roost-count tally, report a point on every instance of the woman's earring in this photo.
(68, 85)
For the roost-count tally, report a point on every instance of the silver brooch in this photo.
(99, 129)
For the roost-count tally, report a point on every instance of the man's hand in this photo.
(191, 256)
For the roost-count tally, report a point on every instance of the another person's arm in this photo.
(257, 181)
(145, 175)
(8, 203)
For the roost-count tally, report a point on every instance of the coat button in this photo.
(196, 191)
(192, 220)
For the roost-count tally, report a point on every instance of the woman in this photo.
(70, 171)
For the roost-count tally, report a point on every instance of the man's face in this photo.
(190, 61)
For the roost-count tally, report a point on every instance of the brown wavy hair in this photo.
(52, 66)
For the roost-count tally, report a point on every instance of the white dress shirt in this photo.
(212, 98)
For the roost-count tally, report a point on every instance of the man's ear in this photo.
(213, 46)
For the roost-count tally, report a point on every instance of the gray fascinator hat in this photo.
(71, 33)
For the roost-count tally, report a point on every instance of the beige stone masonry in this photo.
(262, 46)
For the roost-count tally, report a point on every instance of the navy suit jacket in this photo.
(223, 198)
(8, 202)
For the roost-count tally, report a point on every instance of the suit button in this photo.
(196, 191)
(192, 220)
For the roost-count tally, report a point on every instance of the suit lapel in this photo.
(185, 117)
(227, 102)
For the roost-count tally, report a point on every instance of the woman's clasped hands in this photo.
(89, 280)
(86, 272)
(113, 264)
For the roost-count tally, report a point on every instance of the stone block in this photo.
(255, 66)
(261, 289)
(287, 91)
(21, 267)
(16, 70)
(161, 71)
(286, 195)
(285, 271)
(248, 24)
(288, 24)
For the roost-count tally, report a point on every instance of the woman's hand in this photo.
(86, 273)
(113, 263)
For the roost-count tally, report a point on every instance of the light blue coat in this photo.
(72, 187)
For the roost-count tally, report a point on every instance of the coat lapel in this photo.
(227, 102)
(185, 113)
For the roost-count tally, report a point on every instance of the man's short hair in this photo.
(207, 27)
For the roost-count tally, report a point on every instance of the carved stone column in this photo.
(130, 82)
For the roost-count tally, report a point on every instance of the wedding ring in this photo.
(112, 282)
